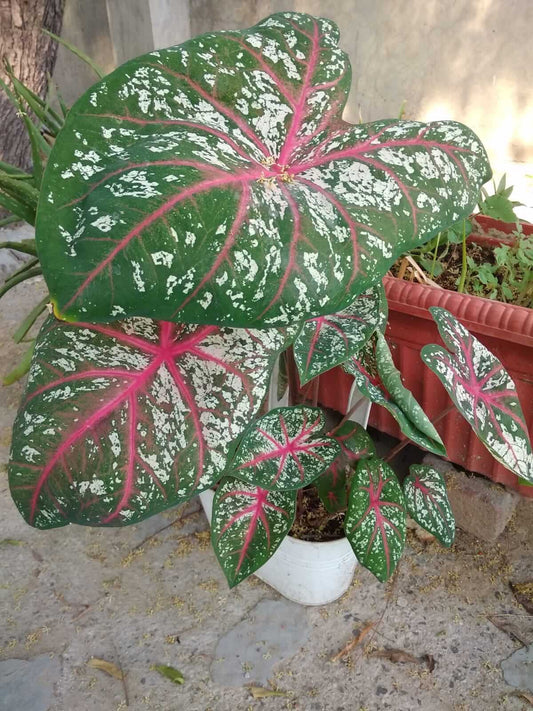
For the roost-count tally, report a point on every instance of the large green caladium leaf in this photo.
(375, 523)
(483, 392)
(216, 182)
(125, 420)
(379, 380)
(285, 449)
(247, 526)
(427, 502)
(332, 485)
(327, 341)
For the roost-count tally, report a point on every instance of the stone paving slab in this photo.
(154, 594)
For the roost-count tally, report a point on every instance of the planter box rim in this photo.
(487, 316)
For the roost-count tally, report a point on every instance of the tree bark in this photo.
(32, 55)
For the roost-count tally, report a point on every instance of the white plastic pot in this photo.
(302, 571)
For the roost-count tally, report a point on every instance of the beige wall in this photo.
(470, 60)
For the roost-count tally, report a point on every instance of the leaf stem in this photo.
(434, 257)
(462, 278)
(347, 416)
(405, 440)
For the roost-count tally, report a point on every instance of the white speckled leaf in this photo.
(483, 392)
(355, 444)
(216, 182)
(285, 449)
(327, 341)
(247, 526)
(375, 523)
(427, 502)
(378, 379)
(122, 421)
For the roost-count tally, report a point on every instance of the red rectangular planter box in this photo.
(505, 329)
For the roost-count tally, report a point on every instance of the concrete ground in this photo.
(153, 594)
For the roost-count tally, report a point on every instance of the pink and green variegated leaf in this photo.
(327, 341)
(216, 182)
(355, 444)
(376, 522)
(285, 449)
(378, 379)
(483, 392)
(247, 526)
(122, 421)
(427, 502)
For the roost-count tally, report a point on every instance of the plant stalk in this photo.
(462, 278)
(405, 440)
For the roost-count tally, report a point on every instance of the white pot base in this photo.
(303, 571)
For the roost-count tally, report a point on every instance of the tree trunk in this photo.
(32, 55)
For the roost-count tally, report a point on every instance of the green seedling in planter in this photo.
(510, 277)
(204, 208)
(499, 205)
(489, 280)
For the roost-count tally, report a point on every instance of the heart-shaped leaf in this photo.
(216, 182)
(125, 420)
(285, 449)
(378, 379)
(354, 441)
(332, 486)
(375, 523)
(327, 341)
(483, 392)
(247, 526)
(356, 444)
(427, 502)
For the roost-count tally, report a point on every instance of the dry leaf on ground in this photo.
(259, 692)
(400, 656)
(107, 667)
(354, 642)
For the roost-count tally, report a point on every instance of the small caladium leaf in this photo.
(327, 341)
(354, 440)
(332, 486)
(247, 526)
(356, 444)
(375, 523)
(427, 502)
(378, 379)
(285, 449)
(483, 392)
(125, 420)
(216, 182)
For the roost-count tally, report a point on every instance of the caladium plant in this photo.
(204, 208)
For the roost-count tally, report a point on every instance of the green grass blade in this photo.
(81, 55)
(36, 271)
(30, 319)
(22, 368)
(19, 190)
(26, 245)
(24, 268)
(18, 208)
(9, 220)
(14, 171)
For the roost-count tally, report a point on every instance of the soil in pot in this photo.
(313, 522)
